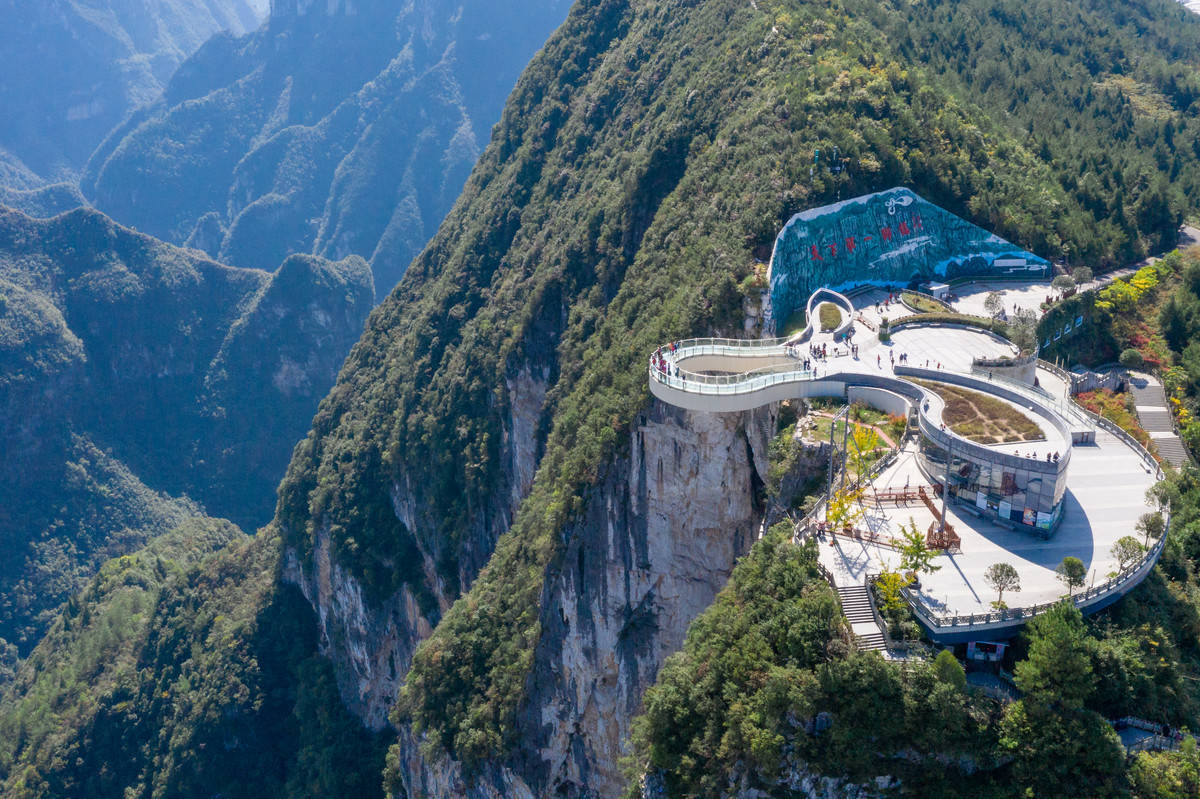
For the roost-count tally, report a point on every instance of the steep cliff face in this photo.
(342, 127)
(656, 542)
(373, 643)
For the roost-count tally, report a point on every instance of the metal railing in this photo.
(1113, 428)
(1061, 405)
(1090, 596)
(741, 383)
(750, 382)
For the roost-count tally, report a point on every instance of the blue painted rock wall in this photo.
(891, 236)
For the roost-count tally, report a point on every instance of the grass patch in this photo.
(794, 323)
(984, 419)
(830, 316)
(968, 320)
(922, 304)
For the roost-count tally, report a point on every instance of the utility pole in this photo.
(832, 452)
(845, 412)
(829, 494)
(946, 484)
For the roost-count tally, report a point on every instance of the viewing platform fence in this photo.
(1091, 598)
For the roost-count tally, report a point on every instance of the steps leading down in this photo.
(1150, 403)
(857, 607)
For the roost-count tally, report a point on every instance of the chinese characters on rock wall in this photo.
(892, 237)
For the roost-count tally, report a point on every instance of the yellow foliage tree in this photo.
(844, 507)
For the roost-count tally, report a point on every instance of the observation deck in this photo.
(1068, 514)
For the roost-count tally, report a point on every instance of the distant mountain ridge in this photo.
(138, 380)
(338, 128)
(73, 69)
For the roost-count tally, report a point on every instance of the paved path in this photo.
(1150, 402)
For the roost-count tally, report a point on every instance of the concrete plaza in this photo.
(1106, 488)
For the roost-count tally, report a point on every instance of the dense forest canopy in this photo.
(639, 174)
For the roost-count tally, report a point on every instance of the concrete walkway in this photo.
(1150, 402)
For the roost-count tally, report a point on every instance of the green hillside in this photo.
(75, 70)
(135, 379)
(644, 163)
(184, 669)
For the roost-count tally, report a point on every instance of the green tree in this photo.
(1082, 274)
(993, 303)
(1150, 525)
(1127, 551)
(1167, 775)
(1063, 283)
(949, 670)
(1072, 573)
(915, 556)
(1132, 359)
(1058, 668)
(1061, 754)
(1059, 748)
(1002, 577)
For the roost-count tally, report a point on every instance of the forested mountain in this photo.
(337, 129)
(500, 536)
(137, 380)
(74, 69)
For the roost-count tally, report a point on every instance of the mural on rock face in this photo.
(890, 237)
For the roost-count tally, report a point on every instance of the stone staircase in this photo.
(856, 604)
(1150, 402)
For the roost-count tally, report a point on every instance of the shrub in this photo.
(1132, 359)
(1063, 283)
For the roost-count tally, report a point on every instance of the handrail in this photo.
(1088, 597)
(929, 419)
(1115, 429)
(1057, 371)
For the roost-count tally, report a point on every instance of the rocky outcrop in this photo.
(373, 645)
(655, 544)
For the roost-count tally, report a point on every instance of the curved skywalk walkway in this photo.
(1105, 488)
